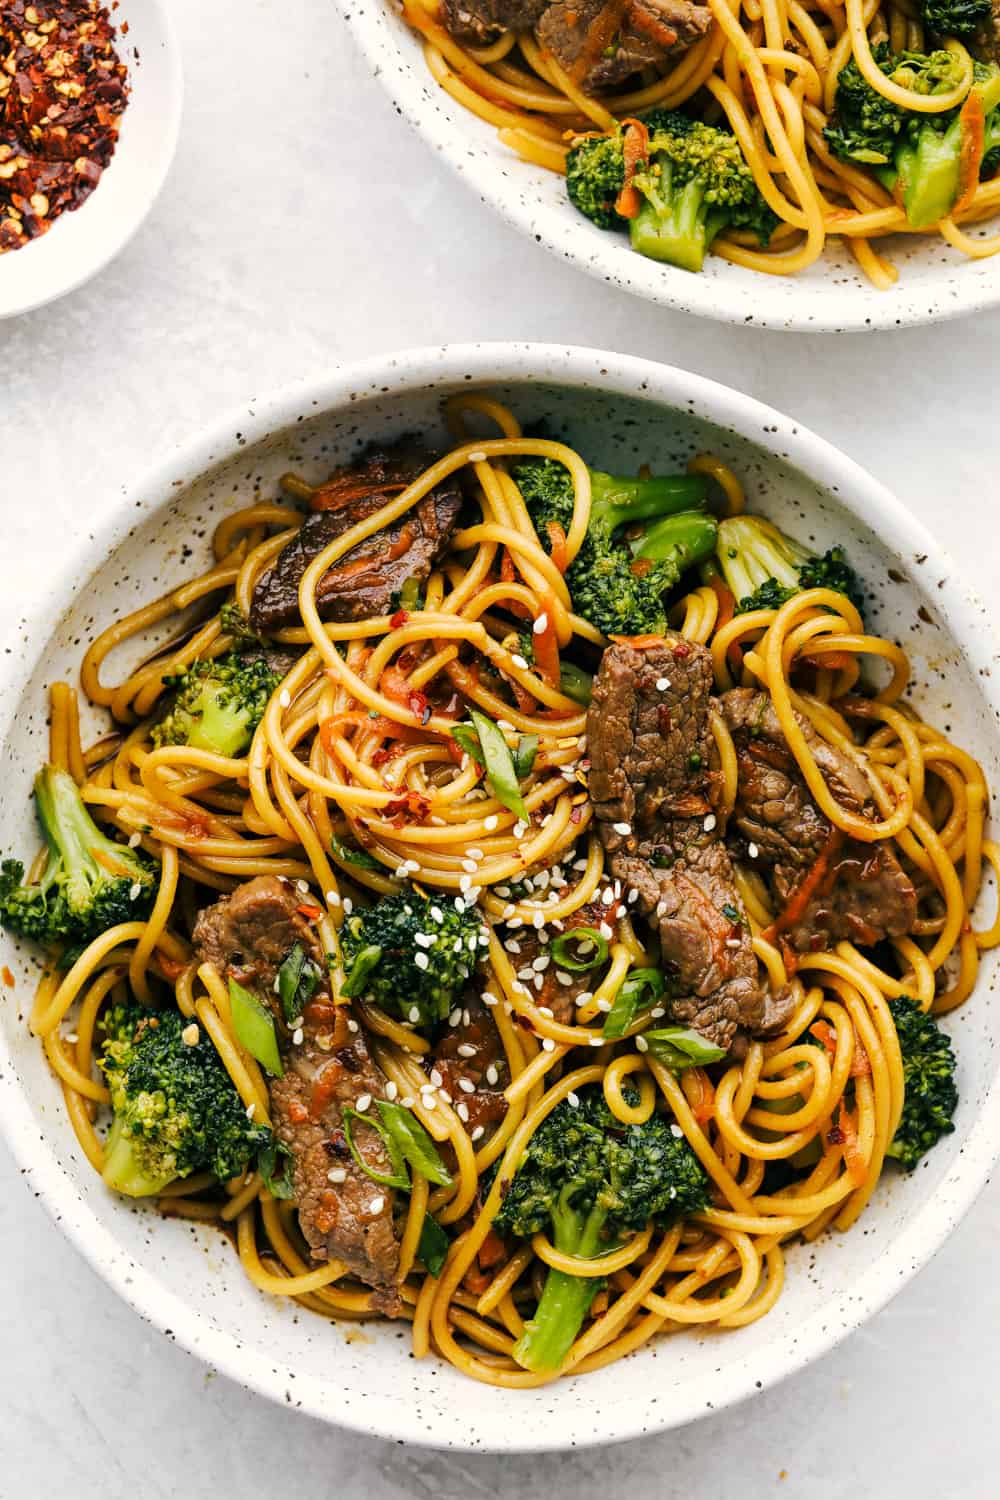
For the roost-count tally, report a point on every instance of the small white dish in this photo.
(82, 242)
(184, 1278)
(832, 296)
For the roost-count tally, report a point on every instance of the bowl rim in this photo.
(428, 369)
(57, 287)
(861, 310)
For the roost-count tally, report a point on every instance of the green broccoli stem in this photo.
(751, 551)
(682, 539)
(618, 501)
(565, 1300)
(71, 832)
(928, 170)
(123, 1170)
(675, 226)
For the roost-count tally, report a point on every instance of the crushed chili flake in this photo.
(63, 88)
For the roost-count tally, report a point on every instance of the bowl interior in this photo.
(185, 1278)
(935, 281)
(80, 243)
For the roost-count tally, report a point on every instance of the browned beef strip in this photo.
(479, 22)
(560, 988)
(986, 43)
(601, 45)
(650, 749)
(471, 1051)
(363, 582)
(247, 935)
(866, 895)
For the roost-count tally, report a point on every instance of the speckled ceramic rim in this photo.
(79, 268)
(967, 620)
(790, 304)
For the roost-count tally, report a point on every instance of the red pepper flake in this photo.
(576, 814)
(311, 913)
(7, 977)
(410, 807)
(63, 88)
(682, 650)
(836, 1136)
(400, 618)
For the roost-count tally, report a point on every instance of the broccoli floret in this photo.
(89, 883)
(763, 568)
(218, 704)
(929, 1093)
(595, 174)
(619, 585)
(412, 955)
(176, 1110)
(588, 1180)
(694, 183)
(916, 156)
(956, 17)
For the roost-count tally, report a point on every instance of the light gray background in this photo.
(303, 225)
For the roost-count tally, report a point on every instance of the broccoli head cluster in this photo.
(218, 703)
(176, 1110)
(930, 1096)
(412, 955)
(693, 183)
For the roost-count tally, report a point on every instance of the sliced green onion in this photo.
(350, 856)
(681, 1047)
(414, 1143)
(362, 966)
(563, 956)
(466, 736)
(497, 761)
(409, 594)
(399, 1177)
(432, 1246)
(632, 998)
(575, 682)
(254, 1027)
(524, 755)
(278, 1184)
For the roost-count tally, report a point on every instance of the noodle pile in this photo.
(767, 67)
(317, 779)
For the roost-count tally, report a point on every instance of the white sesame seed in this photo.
(466, 1018)
(541, 625)
(657, 1012)
(421, 961)
(623, 828)
(539, 981)
(661, 908)
(478, 1133)
(429, 1101)
(444, 1094)
(677, 1132)
(189, 1036)
(564, 978)
(548, 1045)
(364, 1100)
(407, 1101)
(135, 840)
(298, 1036)
(604, 1005)
(573, 1100)
(538, 921)
(520, 828)
(414, 1013)
(391, 1090)
(607, 896)
(475, 853)
(436, 1078)
(466, 1049)
(709, 822)
(546, 1010)
(519, 661)
(337, 1174)
(467, 1086)
(73, 1038)
(492, 1074)
(505, 724)
(423, 940)
(585, 998)
(348, 906)
(352, 1025)
(478, 457)
(462, 1110)
(332, 898)
(135, 890)
(489, 999)
(285, 698)
(753, 851)
(607, 931)
(541, 963)
(597, 1041)
(251, 1110)
(662, 683)
(455, 1017)
(376, 1205)
(491, 823)
(511, 945)
(733, 943)
(465, 883)
(302, 886)
(641, 1044)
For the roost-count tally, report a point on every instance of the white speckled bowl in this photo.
(935, 281)
(184, 1279)
(81, 243)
